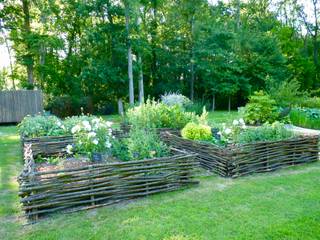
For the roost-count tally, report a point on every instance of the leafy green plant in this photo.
(287, 93)
(70, 122)
(40, 125)
(267, 132)
(309, 102)
(159, 115)
(144, 144)
(305, 117)
(195, 131)
(260, 109)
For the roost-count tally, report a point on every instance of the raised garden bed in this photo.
(239, 160)
(44, 191)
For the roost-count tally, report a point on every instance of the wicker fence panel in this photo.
(249, 158)
(269, 156)
(97, 185)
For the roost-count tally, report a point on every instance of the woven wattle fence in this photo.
(238, 160)
(96, 185)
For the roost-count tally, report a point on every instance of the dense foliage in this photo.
(266, 132)
(195, 131)
(91, 137)
(305, 117)
(260, 109)
(153, 114)
(40, 125)
(78, 52)
(236, 133)
(140, 144)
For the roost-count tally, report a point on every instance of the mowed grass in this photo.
(279, 205)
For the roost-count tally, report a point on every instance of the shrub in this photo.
(39, 125)
(91, 137)
(267, 132)
(172, 99)
(287, 93)
(260, 109)
(64, 106)
(304, 117)
(140, 144)
(195, 131)
(158, 115)
(309, 102)
(70, 122)
(144, 144)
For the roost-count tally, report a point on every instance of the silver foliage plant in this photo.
(172, 99)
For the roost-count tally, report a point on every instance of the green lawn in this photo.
(280, 205)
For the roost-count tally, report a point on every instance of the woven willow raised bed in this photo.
(235, 161)
(96, 185)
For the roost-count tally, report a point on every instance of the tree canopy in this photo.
(203, 50)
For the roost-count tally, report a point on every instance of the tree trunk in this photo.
(141, 87)
(229, 103)
(192, 61)
(153, 42)
(213, 102)
(10, 56)
(120, 107)
(27, 30)
(130, 74)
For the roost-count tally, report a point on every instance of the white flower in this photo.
(59, 123)
(219, 133)
(109, 124)
(95, 141)
(108, 144)
(241, 121)
(235, 122)
(75, 129)
(63, 127)
(86, 125)
(95, 120)
(227, 131)
(91, 134)
(69, 149)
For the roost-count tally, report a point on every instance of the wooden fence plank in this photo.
(15, 105)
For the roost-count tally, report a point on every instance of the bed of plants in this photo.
(170, 113)
(305, 117)
(236, 149)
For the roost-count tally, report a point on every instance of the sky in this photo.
(4, 57)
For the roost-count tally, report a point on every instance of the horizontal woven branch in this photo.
(96, 185)
(238, 160)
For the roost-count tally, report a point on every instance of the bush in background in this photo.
(172, 99)
(304, 117)
(260, 109)
(159, 115)
(64, 106)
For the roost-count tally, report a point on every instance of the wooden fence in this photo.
(238, 160)
(15, 105)
(95, 185)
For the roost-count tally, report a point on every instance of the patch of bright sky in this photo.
(4, 57)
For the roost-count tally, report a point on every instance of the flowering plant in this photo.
(91, 137)
(229, 133)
